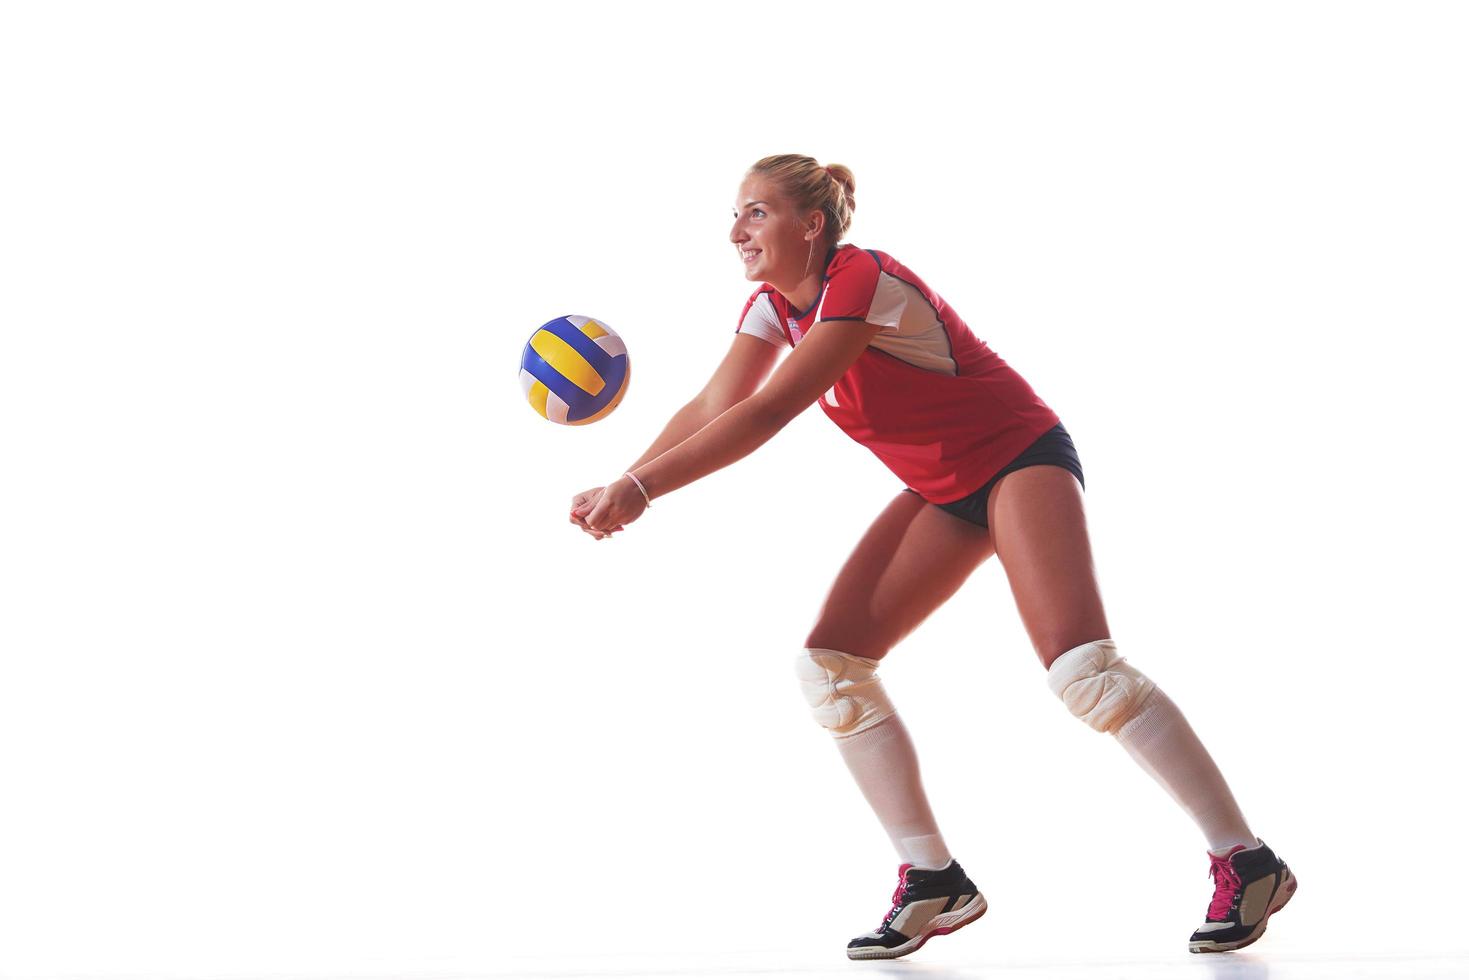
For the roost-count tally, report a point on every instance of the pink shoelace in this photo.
(1226, 886)
(897, 896)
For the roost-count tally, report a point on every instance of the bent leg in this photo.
(1039, 528)
(912, 559)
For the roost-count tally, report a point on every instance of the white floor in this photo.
(1238, 966)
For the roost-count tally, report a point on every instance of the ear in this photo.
(815, 225)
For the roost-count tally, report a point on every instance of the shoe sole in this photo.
(1277, 902)
(939, 925)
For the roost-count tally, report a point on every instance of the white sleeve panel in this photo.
(761, 321)
(921, 340)
(888, 302)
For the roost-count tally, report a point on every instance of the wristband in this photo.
(639, 484)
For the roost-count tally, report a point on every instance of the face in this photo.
(774, 244)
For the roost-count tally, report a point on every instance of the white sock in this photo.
(1161, 740)
(885, 765)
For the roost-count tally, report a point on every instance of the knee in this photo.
(1098, 686)
(844, 692)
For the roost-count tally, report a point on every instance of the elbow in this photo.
(714, 402)
(711, 405)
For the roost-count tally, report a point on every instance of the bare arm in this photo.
(826, 353)
(738, 377)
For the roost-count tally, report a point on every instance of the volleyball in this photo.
(574, 370)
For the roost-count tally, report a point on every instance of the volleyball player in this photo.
(988, 469)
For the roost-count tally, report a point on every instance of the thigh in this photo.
(1038, 525)
(912, 558)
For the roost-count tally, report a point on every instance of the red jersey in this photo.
(930, 399)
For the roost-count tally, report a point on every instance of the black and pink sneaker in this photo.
(926, 904)
(1250, 885)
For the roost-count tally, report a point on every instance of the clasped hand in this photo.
(602, 511)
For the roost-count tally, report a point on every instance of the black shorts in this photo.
(1052, 449)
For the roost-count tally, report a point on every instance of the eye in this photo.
(758, 213)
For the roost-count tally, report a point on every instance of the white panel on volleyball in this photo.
(612, 344)
(556, 409)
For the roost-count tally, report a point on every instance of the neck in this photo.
(803, 293)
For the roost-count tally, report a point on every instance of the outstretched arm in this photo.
(738, 376)
(747, 364)
(822, 357)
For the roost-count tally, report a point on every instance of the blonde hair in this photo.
(808, 185)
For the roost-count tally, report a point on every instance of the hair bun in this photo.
(797, 179)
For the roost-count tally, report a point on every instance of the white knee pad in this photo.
(844, 692)
(1098, 686)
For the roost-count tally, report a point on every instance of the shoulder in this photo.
(866, 284)
(764, 289)
(764, 298)
(871, 260)
(876, 268)
(853, 263)
(851, 258)
(762, 317)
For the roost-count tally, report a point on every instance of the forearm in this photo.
(732, 436)
(685, 422)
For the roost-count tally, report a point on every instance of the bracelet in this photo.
(639, 484)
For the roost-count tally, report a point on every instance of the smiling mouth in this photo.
(748, 254)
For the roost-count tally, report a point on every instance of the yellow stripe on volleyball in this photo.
(537, 396)
(593, 329)
(565, 361)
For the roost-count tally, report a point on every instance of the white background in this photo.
(304, 671)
